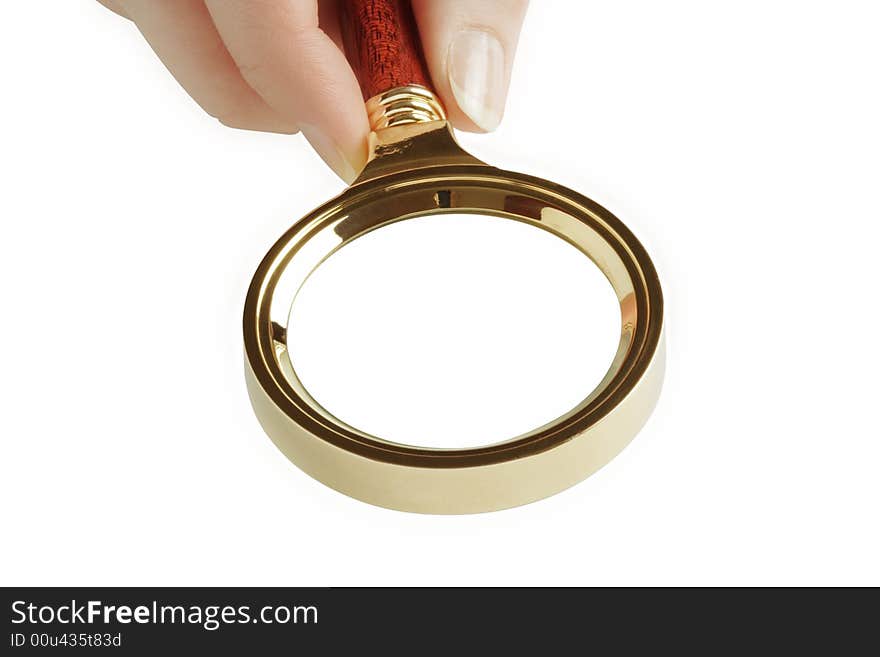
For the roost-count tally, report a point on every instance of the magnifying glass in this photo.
(417, 169)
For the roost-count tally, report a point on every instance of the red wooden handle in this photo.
(382, 44)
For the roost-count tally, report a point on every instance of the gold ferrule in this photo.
(403, 105)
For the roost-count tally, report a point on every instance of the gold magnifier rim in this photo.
(465, 188)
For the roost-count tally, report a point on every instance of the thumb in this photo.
(469, 47)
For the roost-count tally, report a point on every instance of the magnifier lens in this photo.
(454, 330)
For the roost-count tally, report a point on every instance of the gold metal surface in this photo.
(418, 169)
(402, 106)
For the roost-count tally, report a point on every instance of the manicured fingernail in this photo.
(476, 75)
(329, 152)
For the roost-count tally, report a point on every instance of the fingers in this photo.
(184, 37)
(469, 47)
(300, 72)
(114, 6)
(267, 65)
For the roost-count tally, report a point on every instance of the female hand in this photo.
(279, 66)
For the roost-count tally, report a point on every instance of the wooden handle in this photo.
(382, 45)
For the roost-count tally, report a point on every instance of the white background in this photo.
(740, 141)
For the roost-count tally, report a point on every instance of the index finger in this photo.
(300, 72)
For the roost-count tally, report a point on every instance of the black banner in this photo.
(134, 621)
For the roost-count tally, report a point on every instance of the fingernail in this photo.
(476, 75)
(329, 152)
